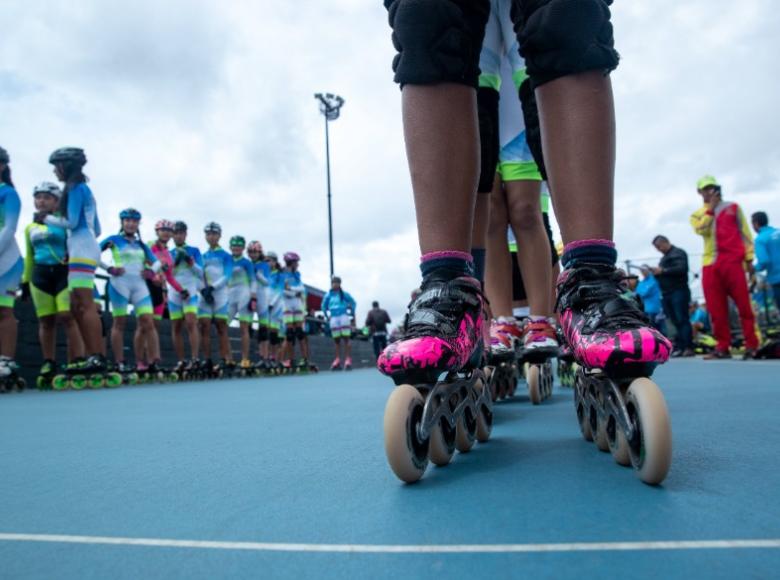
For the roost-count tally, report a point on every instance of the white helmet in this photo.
(48, 187)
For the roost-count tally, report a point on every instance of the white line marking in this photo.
(398, 549)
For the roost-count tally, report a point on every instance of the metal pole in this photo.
(330, 213)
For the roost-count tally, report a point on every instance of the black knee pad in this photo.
(262, 334)
(274, 340)
(437, 40)
(299, 333)
(487, 107)
(563, 37)
(289, 334)
(533, 132)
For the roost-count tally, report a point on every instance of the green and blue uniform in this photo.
(46, 268)
(11, 266)
(217, 270)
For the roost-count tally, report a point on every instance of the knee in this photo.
(526, 214)
(63, 319)
(565, 37)
(437, 40)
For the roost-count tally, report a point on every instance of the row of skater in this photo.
(560, 55)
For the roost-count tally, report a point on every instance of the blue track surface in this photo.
(301, 460)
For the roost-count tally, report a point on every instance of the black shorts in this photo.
(50, 279)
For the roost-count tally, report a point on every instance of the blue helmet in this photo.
(130, 214)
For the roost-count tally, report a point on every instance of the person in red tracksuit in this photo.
(728, 254)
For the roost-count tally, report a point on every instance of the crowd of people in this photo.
(733, 265)
(65, 245)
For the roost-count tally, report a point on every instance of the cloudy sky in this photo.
(203, 110)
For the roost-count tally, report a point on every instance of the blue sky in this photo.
(200, 111)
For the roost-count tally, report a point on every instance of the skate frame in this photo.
(439, 400)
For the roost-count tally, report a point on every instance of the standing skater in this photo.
(568, 49)
(217, 270)
(133, 264)
(262, 277)
(275, 312)
(183, 304)
(242, 289)
(10, 274)
(728, 254)
(79, 217)
(45, 278)
(339, 307)
(294, 313)
(377, 321)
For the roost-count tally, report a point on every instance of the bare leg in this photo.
(47, 336)
(337, 344)
(347, 348)
(73, 336)
(178, 339)
(82, 305)
(577, 118)
(498, 264)
(442, 146)
(146, 335)
(224, 342)
(8, 329)
(193, 334)
(533, 247)
(118, 338)
(244, 340)
(205, 337)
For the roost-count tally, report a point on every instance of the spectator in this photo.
(700, 320)
(728, 252)
(377, 321)
(650, 293)
(672, 277)
(768, 251)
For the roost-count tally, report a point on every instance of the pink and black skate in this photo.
(444, 332)
(604, 325)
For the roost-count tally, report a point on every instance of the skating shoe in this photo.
(604, 326)
(348, 363)
(336, 364)
(540, 340)
(443, 333)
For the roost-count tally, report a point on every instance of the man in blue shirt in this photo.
(767, 245)
(650, 293)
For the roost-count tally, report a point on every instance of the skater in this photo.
(165, 281)
(767, 251)
(573, 90)
(78, 215)
(339, 308)
(294, 312)
(133, 264)
(377, 321)
(183, 304)
(45, 279)
(262, 276)
(11, 267)
(242, 292)
(672, 276)
(217, 268)
(275, 312)
(728, 255)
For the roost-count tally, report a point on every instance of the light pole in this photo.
(330, 107)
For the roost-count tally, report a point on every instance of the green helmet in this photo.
(237, 241)
(707, 181)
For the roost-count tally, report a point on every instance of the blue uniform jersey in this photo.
(131, 254)
(10, 207)
(338, 303)
(188, 267)
(263, 273)
(767, 246)
(650, 292)
(217, 267)
(81, 214)
(45, 245)
(243, 274)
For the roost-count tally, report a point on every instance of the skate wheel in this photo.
(600, 432)
(442, 444)
(97, 382)
(173, 378)
(484, 414)
(533, 378)
(651, 452)
(618, 446)
(406, 453)
(78, 382)
(59, 382)
(465, 431)
(114, 380)
(42, 384)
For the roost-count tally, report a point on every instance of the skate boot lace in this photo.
(599, 292)
(439, 308)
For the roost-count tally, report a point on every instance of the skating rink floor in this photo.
(287, 478)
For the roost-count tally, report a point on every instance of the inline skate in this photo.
(128, 372)
(10, 381)
(617, 405)
(441, 401)
(348, 363)
(246, 369)
(539, 346)
(92, 372)
(336, 364)
(501, 371)
(46, 375)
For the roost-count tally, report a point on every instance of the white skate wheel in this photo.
(533, 378)
(442, 444)
(406, 453)
(647, 409)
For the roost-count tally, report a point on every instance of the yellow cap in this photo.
(707, 181)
